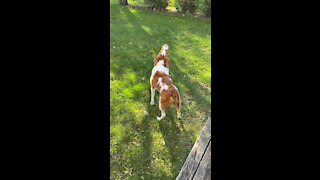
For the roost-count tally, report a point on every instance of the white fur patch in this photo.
(162, 85)
(165, 87)
(165, 48)
(163, 52)
(160, 68)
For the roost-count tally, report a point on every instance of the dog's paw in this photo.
(179, 115)
(159, 118)
(152, 103)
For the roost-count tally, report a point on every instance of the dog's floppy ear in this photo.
(166, 62)
(155, 61)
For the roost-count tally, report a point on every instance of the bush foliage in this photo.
(158, 4)
(123, 2)
(194, 6)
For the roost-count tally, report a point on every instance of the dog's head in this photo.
(163, 55)
(164, 50)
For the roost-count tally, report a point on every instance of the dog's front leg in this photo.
(152, 95)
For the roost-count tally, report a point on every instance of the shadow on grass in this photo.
(176, 143)
(193, 89)
(132, 158)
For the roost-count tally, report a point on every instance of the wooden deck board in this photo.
(204, 170)
(197, 156)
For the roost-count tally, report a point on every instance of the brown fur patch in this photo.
(169, 96)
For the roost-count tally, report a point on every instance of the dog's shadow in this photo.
(177, 140)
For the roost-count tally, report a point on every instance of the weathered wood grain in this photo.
(204, 170)
(196, 154)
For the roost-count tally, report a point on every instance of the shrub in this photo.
(158, 4)
(186, 6)
(193, 6)
(205, 7)
(123, 2)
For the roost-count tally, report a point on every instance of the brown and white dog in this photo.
(160, 80)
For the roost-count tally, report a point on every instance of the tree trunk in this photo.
(123, 2)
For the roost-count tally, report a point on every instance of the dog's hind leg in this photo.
(178, 109)
(163, 114)
(177, 103)
(162, 109)
(178, 112)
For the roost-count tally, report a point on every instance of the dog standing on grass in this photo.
(160, 80)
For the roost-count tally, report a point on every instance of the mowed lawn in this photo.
(140, 146)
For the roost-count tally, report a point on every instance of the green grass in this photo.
(140, 146)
